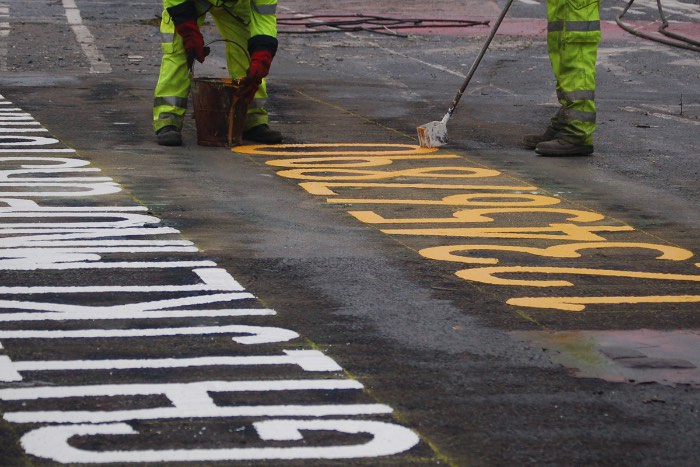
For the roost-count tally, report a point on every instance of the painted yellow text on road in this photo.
(452, 211)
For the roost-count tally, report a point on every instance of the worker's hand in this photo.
(260, 62)
(192, 37)
(248, 89)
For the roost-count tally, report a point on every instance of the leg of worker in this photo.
(238, 32)
(554, 47)
(232, 23)
(572, 39)
(173, 87)
(555, 124)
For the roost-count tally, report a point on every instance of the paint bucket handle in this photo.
(207, 51)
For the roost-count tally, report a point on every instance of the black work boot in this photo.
(262, 134)
(561, 147)
(169, 136)
(531, 141)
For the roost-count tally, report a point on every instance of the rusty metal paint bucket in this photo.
(219, 113)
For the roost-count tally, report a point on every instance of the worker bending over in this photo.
(250, 28)
(573, 34)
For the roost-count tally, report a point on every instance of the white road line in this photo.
(664, 116)
(212, 411)
(37, 151)
(22, 130)
(98, 63)
(308, 360)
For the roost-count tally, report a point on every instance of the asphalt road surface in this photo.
(348, 297)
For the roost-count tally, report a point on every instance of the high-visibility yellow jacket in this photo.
(260, 17)
(250, 24)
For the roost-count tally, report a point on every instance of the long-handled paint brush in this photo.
(434, 134)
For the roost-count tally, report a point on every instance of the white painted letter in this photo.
(51, 442)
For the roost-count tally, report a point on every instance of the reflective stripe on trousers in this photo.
(173, 87)
(573, 34)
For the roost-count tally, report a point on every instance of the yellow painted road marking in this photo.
(331, 170)
(578, 303)
(569, 231)
(446, 253)
(305, 149)
(476, 215)
(324, 188)
(347, 174)
(488, 275)
(475, 199)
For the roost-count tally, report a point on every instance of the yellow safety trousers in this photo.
(573, 34)
(173, 87)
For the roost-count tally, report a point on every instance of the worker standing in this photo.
(573, 34)
(250, 29)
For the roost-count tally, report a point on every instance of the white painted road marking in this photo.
(162, 280)
(307, 360)
(98, 63)
(387, 439)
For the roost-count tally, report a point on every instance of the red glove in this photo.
(192, 37)
(260, 62)
(248, 89)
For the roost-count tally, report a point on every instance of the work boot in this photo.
(262, 134)
(531, 141)
(169, 136)
(560, 147)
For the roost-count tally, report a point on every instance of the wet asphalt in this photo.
(480, 380)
